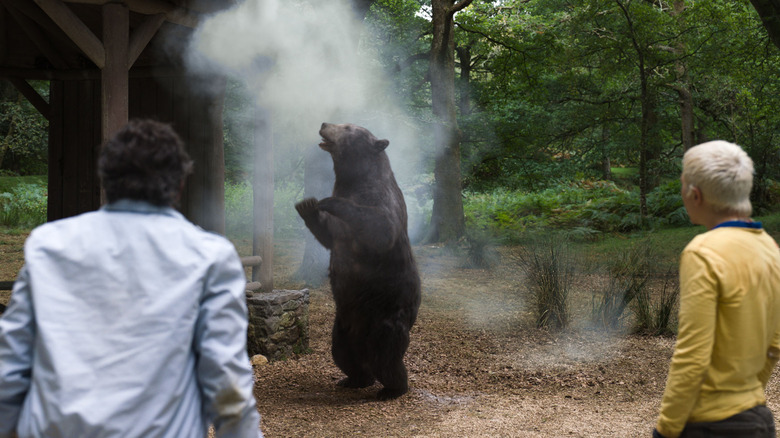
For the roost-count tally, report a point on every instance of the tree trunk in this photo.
(769, 11)
(447, 220)
(683, 86)
(464, 99)
(648, 121)
(606, 163)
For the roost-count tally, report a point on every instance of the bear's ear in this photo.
(380, 145)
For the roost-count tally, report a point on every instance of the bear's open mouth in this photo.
(326, 144)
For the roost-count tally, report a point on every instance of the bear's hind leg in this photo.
(350, 361)
(387, 361)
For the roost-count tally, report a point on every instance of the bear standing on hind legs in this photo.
(373, 275)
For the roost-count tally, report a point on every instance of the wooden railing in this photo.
(254, 262)
(252, 286)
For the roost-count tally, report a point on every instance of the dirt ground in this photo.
(477, 366)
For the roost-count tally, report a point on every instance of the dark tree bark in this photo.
(464, 98)
(769, 11)
(649, 118)
(606, 163)
(683, 86)
(447, 220)
(361, 7)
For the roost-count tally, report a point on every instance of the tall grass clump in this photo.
(549, 267)
(654, 315)
(480, 251)
(629, 273)
(24, 206)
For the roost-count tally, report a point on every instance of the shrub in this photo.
(24, 206)
(549, 266)
(481, 253)
(654, 316)
(629, 274)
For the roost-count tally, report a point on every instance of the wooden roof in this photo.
(61, 39)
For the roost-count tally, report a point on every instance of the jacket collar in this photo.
(143, 207)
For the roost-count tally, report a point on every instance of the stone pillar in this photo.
(278, 323)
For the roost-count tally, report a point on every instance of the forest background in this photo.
(569, 116)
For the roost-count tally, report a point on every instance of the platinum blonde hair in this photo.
(724, 174)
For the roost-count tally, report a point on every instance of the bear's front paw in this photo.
(331, 205)
(307, 207)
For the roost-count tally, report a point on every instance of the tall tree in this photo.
(769, 11)
(447, 220)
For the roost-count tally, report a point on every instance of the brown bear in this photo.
(373, 274)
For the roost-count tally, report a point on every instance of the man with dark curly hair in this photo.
(128, 321)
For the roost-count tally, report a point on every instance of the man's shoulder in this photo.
(732, 243)
(57, 227)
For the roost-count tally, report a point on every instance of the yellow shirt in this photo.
(729, 318)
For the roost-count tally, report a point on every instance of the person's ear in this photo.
(696, 195)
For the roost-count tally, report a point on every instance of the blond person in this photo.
(729, 320)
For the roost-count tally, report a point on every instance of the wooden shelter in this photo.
(111, 60)
(107, 61)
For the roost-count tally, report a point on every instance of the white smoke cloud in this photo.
(300, 59)
(302, 62)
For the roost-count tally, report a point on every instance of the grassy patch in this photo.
(23, 201)
(7, 183)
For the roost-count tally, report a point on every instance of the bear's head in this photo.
(354, 149)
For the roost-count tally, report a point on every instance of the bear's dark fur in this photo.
(373, 275)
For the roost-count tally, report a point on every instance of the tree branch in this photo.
(460, 5)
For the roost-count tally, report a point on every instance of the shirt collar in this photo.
(136, 206)
(739, 224)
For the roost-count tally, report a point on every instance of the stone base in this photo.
(278, 323)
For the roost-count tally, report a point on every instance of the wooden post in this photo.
(263, 199)
(114, 76)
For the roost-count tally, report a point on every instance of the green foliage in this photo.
(24, 206)
(24, 135)
(239, 215)
(549, 266)
(584, 209)
(7, 183)
(238, 209)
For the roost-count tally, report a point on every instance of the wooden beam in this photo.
(31, 27)
(32, 96)
(77, 75)
(176, 15)
(142, 35)
(3, 35)
(72, 25)
(114, 77)
(263, 200)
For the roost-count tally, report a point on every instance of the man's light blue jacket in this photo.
(126, 322)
